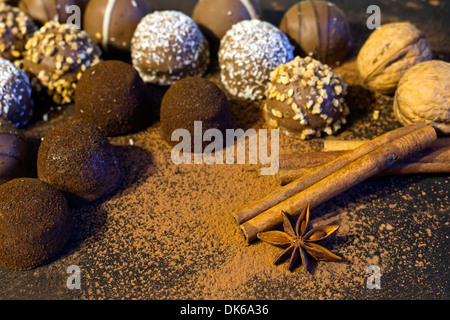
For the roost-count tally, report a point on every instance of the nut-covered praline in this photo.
(168, 46)
(305, 98)
(389, 52)
(42, 11)
(194, 99)
(14, 155)
(319, 29)
(56, 57)
(16, 104)
(112, 96)
(216, 17)
(111, 23)
(16, 28)
(249, 51)
(35, 223)
(77, 158)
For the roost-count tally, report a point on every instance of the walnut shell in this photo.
(423, 93)
(389, 52)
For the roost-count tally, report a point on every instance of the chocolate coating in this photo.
(35, 223)
(305, 98)
(56, 57)
(111, 23)
(42, 11)
(14, 155)
(16, 29)
(168, 46)
(77, 158)
(249, 51)
(319, 29)
(216, 17)
(194, 99)
(16, 104)
(112, 96)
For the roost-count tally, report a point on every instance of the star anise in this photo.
(300, 241)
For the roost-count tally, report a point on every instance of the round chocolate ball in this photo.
(16, 29)
(56, 57)
(14, 155)
(168, 46)
(77, 158)
(305, 98)
(112, 96)
(42, 11)
(319, 29)
(35, 223)
(249, 51)
(216, 17)
(194, 99)
(16, 104)
(111, 23)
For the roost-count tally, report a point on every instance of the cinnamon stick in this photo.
(341, 180)
(322, 172)
(435, 159)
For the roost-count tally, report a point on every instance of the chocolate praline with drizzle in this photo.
(319, 29)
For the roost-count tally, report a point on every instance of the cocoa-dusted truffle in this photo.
(13, 152)
(112, 96)
(305, 98)
(56, 56)
(16, 104)
(42, 11)
(77, 158)
(168, 46)
(111, 23)
(194, 99)
(216, 17)
(319, 29)
(16, 28)
(35, 223)
(249, 51)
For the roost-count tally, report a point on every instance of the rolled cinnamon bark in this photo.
(341, 180)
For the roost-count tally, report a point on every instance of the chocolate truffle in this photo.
(319, 29)
(249, 51)
(111, 23)
(16, 104)
(168, 46)
(112, 96)
(194, 99)
(216, 17)
(305, 98)
(35, 223)
(77, 158)
(56, 56)
(16, 28)
(42, 11)
(13, 152)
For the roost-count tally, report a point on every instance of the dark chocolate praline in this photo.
(112, 96)
(77, 158)
(42, 11)
(194, 99)
(35, 223)
(319, 29)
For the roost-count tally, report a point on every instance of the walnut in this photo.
(388, 53)
(423, 93)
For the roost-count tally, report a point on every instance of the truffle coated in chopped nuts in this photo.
(305, 98)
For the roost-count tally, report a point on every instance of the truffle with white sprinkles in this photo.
(16, 104)
(56, 57)
(15, 29)
(168, 46)
(249, 51)
(305, 98)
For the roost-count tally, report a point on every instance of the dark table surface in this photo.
(399, 223)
